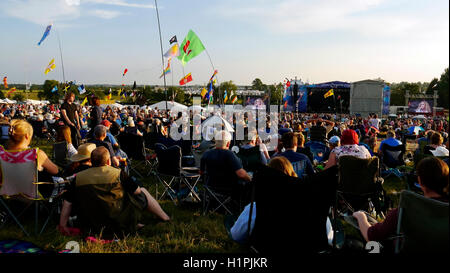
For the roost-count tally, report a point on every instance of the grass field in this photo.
(188, 232)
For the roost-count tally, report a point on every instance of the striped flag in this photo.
(167, 70)
(204, 92)
(186, 79)
(5, 82)
(11, 90)
(225, 97)
(81, 89)
(234, 99)
(50, 66)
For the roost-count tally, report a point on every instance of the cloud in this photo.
(121, 3)
(370, 17)
(44, 11)
(105, 14)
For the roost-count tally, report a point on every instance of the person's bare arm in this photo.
(77, 119)
(331, 161)
(363, 224)
(242, 174)
(47, 164)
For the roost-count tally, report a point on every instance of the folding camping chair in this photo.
(318, 149)
(423, 225)
(4, 131)
(20, 181)
(222, 197)
(60, 154)
(250, 158)
(170, 173)
(290, 211)
(134, 146)
(360, 186)
(392, 156)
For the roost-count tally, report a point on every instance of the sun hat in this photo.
(334, 140)
(84, 152)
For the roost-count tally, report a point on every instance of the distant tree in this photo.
(257, 84)
(276, 93)
(2, 95)
(443, 90)
(47, 93)
(18, 97)
(228, 86)
(398, 91)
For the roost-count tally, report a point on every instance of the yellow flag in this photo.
(50, 66)
(203, 93)
(109, 96)
(120, 91)
(329, 93)
(84, 101)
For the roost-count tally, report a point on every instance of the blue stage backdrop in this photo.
(386, 99)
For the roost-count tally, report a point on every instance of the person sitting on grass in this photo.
(433, 180)
(108, 201)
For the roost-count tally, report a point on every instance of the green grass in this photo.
(188, 232)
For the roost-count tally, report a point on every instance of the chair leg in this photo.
(14, 217)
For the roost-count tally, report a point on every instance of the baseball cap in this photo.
(106, 123)
(334, 140)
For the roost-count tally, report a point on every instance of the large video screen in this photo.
(420, 106)
(256, 102)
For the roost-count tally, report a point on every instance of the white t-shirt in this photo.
(375, 122)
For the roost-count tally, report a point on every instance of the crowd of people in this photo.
(103, 193)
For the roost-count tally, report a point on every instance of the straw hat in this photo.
(84, 152)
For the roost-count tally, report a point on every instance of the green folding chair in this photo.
(423, 225)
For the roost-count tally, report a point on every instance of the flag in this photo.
(225, 97)
(66, 87)
(174, 51)
(125, 72)
(56, 89)
(167, 70)
(5, 82)
(134, 86)
(81, 89)
(124, 95)
(46, 33)
(84, 101)
(203, 93)
(329, 93)
(339, 97)
(120, 91)
(50, 66)
(210, 99)
(234, 99)
(210, 91)
(192, 46)
(215, 73)
(11, 90)
(186, 79)
(109, 96)
(285, 104)
(173, 39)
(288, 83)
(27, 86)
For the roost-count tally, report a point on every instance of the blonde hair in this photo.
(282, 164)
(19, 130)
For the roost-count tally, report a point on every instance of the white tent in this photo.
(9, 101)
(170, 104)
(30, 101)
(217, 121)
(116, 105)
(197, 108)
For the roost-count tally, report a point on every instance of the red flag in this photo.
(11, 90)
(186, 79)
(5, 82)
(125, 72)
(288, 83)
(285, 104)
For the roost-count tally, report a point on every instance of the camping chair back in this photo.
(133, 145)
(19, 173)
(318, 149)
(4, 131)
(357, 176)
(250, 158)
(169, 159)
(423, 223)
(303, 205)
(393, 155)
(60, 152)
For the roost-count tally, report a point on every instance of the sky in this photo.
(315, 41)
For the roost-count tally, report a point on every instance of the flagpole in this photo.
(162, 54)
(218, 83)
(60, 52)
